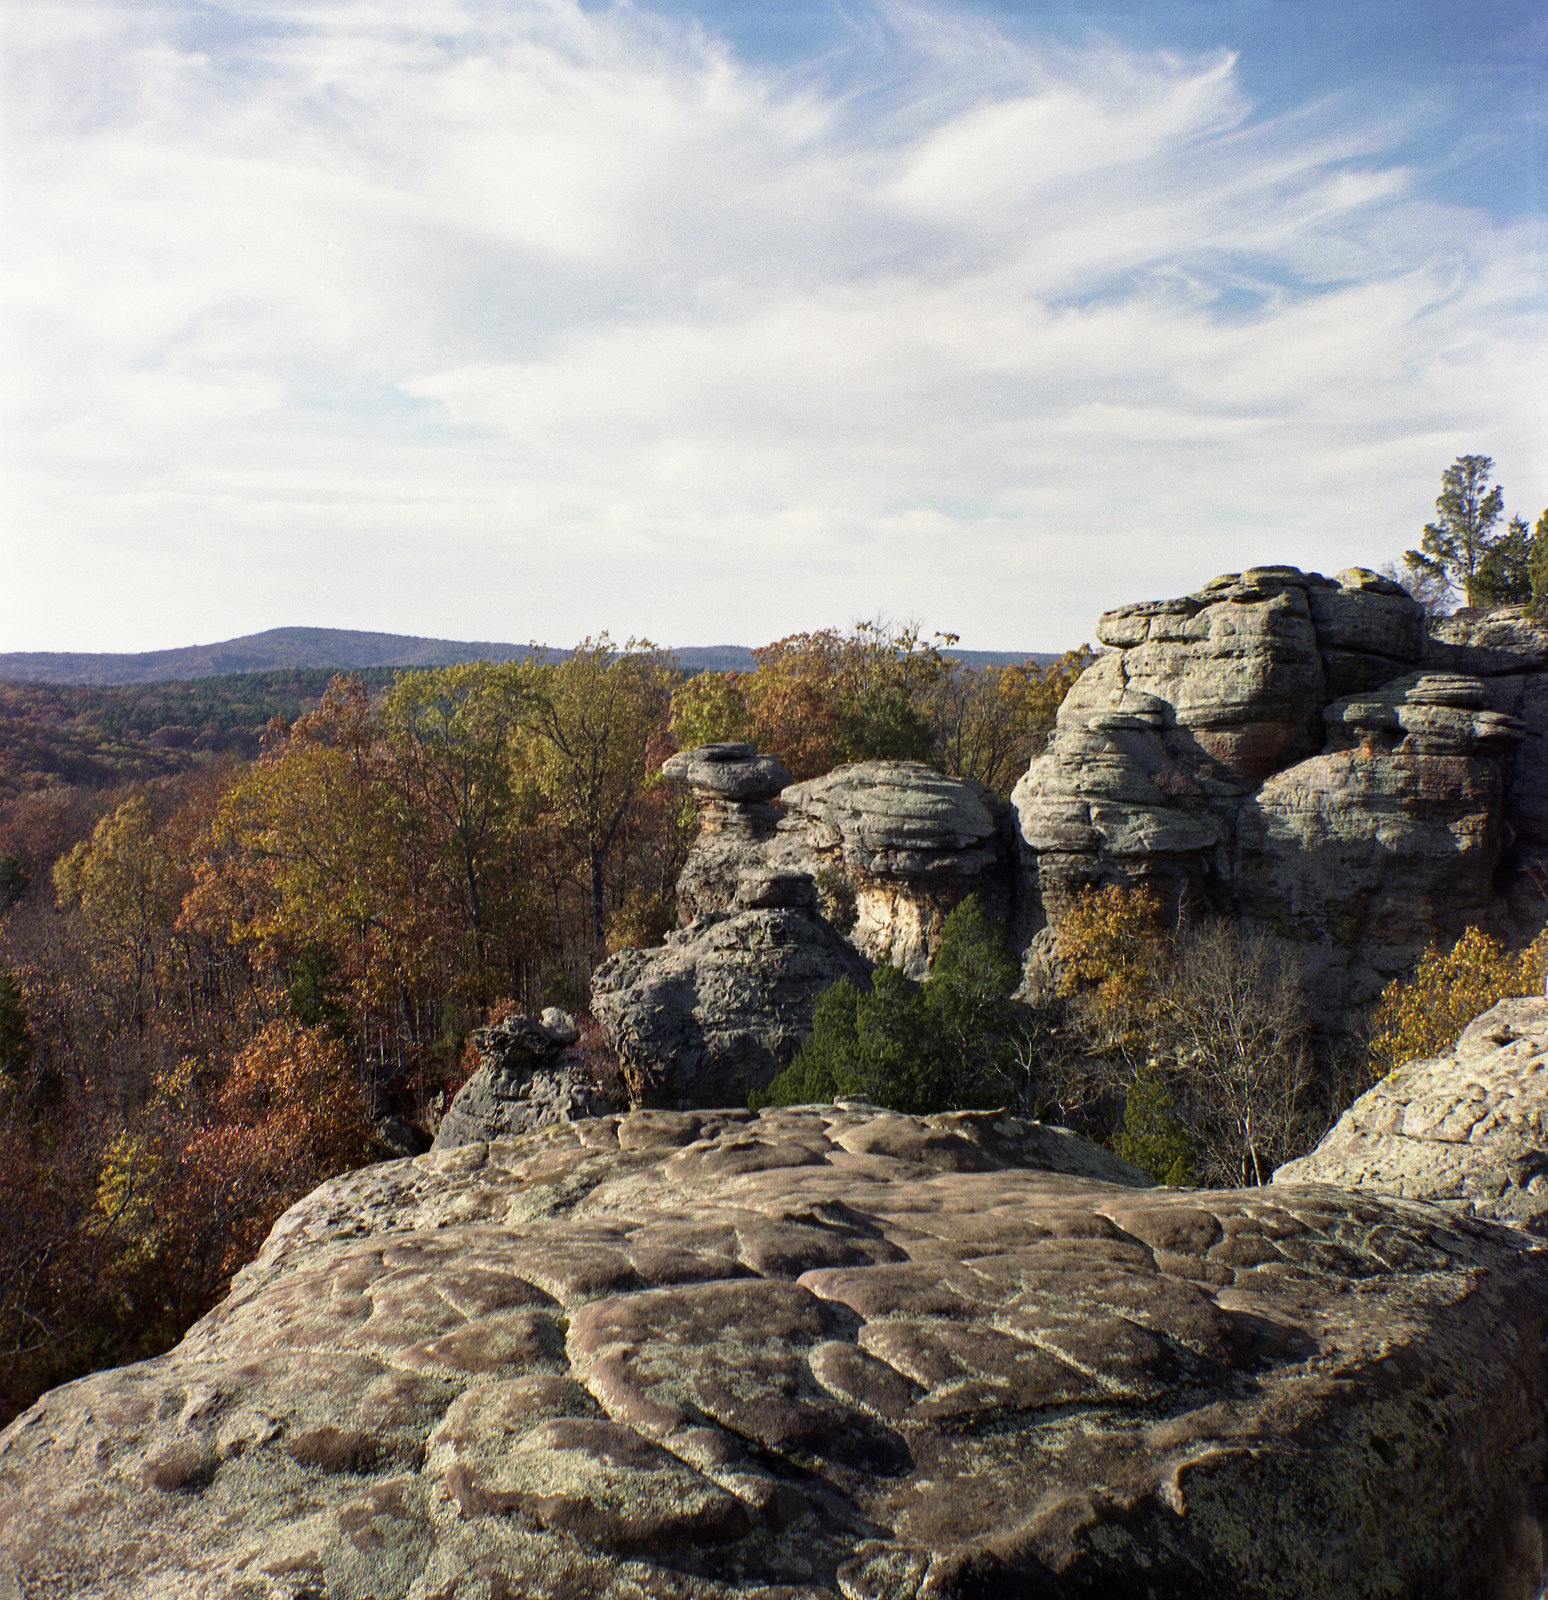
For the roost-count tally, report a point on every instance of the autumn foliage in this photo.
(244, 922)
(1421, 1016)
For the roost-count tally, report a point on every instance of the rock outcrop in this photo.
(1468, 1131)
(892, 845)
(820, 1354)
(733, 789)
(724, 1004)
(787, 889)
(1293, 750)
(910, 843)
(528, 1077)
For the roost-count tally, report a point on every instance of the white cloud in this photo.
(528, 321)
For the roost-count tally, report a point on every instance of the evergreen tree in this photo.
(1456, 543)
(1537, 563)
(949, 1042)
(1504, 576)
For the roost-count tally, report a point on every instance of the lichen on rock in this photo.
(814, 1354)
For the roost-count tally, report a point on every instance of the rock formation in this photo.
(1292, 749)
(528, 1077)
(910, 843)
(776, 902)
(733, 788)
(1468, 1131)
(724, 1004)
(819, 1354)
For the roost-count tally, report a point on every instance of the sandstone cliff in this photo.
(1296, 751)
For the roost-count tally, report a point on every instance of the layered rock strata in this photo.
(820, 1354)
(1468, 1130)
(788, 888)
(1271, 747)
(1507, 650)
(528, 1077)
(910, 843)
(892, 845)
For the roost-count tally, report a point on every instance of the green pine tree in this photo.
(949, 1042)
(1456, 543)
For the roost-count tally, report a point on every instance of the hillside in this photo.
(338, 650)
(104, 734)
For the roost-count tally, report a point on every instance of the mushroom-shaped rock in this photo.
(733, 787)
(728, 771)
(910, 842)
(822, 1352)
(1468, 1130)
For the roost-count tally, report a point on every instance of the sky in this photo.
(709, 322)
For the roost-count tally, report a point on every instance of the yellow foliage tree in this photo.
(310, 850)
(128, 889)
(711, 708)
(1421, 1016)
(1112, 949)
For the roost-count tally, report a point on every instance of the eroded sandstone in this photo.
(815, 1354)
(1293, 750)
(1468, 1130)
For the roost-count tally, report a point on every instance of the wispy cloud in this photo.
(523, 320)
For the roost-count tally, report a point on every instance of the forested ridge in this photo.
(249, 921)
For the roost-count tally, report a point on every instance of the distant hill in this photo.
(343, 649)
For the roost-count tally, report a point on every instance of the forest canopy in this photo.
(247, 924)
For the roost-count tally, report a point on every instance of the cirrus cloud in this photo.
(528, 320)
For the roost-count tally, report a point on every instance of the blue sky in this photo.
(709, 322)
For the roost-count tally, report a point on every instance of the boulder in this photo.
(724, 1004)
(528, 1077)
(1468, 1131)
(825, 1353)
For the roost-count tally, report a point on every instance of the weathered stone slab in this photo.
(826, 1353)
(1468, 1130)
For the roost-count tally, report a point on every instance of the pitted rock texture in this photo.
(821, 1354)
(724, 1004)
(527, 1078)
(1271, 748)
(1468, 1130)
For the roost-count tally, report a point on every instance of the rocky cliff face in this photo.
(827, 1353)
(1294, 750)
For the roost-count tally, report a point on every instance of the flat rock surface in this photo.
(1468, 1130)
(827, 1353)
